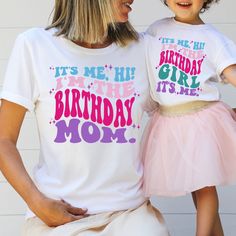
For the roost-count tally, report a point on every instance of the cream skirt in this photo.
(142, 221)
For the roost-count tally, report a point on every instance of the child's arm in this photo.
(229, 74)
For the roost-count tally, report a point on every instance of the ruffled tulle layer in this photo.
(188, 152)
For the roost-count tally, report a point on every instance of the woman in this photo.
(85, 78)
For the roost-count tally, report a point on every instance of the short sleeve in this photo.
(156, 26)
(226, 56)
(151, 105)
(19, 85)
(151, 30)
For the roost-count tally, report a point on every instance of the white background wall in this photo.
(16, 16)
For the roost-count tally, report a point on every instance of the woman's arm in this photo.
(52, 212)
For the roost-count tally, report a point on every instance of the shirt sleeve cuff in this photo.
(28, 104)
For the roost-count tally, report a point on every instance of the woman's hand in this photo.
(56, 212)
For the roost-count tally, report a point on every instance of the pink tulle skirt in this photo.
(188, 152)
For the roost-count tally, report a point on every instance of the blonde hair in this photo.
(90, 21)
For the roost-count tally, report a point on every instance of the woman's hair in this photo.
(206, 4)
(90, 21)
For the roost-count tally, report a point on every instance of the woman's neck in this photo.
(104, 44)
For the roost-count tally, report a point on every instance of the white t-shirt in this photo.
(185, 61)
(89, 106)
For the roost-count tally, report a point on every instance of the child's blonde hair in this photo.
(206, 4)
(90, 21)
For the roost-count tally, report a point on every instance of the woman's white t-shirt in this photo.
(89, 106)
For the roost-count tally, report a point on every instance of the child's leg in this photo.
(217, 229)
(208, 220)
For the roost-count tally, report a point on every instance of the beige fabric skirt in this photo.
(142, 221)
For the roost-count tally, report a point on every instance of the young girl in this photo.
(191, 145)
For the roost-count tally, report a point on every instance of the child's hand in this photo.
(230, 74)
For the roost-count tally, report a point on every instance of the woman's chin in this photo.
(123, 19)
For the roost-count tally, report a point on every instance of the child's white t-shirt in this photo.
(89, 105)
(185, 61)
